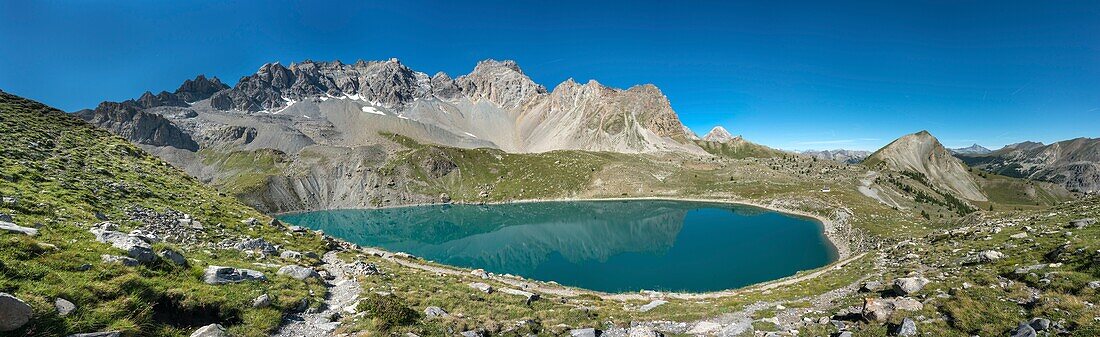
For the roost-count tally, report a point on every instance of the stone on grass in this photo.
(135, 247)
(1082, 223)
(212, 330)
(125, 261)
(586, 332)
(651, 305)
(529, 296)
(6, 218)
(1039, 324)
(262, 301)
(290, 255)
(223, 275)
(485, 288)
(872, 287)
(1024, 330)
(907, 328)
(909, 285)
(173, 256)
(298, 272)
(643, 331)
(880, 309)
(63, 306)
(433, 312)
(14, 313)
(257, 245)
(473, 333)
(17, 229)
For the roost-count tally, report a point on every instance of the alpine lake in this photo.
(608, 246)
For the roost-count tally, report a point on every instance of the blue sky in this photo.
(792, 75)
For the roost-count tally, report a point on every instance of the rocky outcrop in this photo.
(922, 154)
(223, 275)
(127, 119)
(14, 313)
(971, 150)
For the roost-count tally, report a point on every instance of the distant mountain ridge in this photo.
(1073, 163)
(972, 149)
(840, 155)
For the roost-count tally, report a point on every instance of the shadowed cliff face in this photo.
(610, 246)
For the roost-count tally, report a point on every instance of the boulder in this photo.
(1094, 285)
(909, 285)
(586, 332)
(223, 275)
(651, 305)
(298, 272)
(432, 312)
(872, 287)
(526, 294)
(473, 333)
(63, 306)
(643, 331)
(843, 334)
(257, 245)
(250, 221)
(212, 330)
(297, 229)
(1082, 223)
(6, 218)
(125, 261)
(290, 255)
(986, 256)
(14, 313)
(262, 301)
(907, 328)
(135, 247)
(1024, 330)
(1039, 324)
(9, 227)
(488, 289)
(173, 256)
(1029, 269)
(882, 308)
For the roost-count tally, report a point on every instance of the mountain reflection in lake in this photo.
(600, 245)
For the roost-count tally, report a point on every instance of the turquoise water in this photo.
(612, 246)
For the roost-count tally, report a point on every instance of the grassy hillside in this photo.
(57, 173)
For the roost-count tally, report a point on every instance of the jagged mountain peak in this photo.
(492, 64)
(971, 150)
(922, 153)
(718, 134)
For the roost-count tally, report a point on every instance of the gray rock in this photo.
(173, 256)
(473, 333)
(1094, 285)
(14, 313)
(6, 218)
(907, 328)
(212, 330)
(651, 305)
(586, 332)
(983, 257)
(1039, 324)
(298, 272)
(262, 301)
(1082, 223)
(257, 245)
(1029, 269)
(643, 331)
(485, 288)
(909, 285)
(98, 334)
(250, 221)
(873, 286)
(1024, 330)
(134, 247)
(290, 255)
(529, 296)
(125, 261)
(297, 229)
(63, 306)
(17, 229)
(433, 312)
(843, 334)
(223, 275)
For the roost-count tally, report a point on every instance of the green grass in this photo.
(63, 171)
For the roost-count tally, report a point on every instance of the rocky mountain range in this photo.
(971, 150)
(840, 155)
(923, 156)
(1073, 163)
